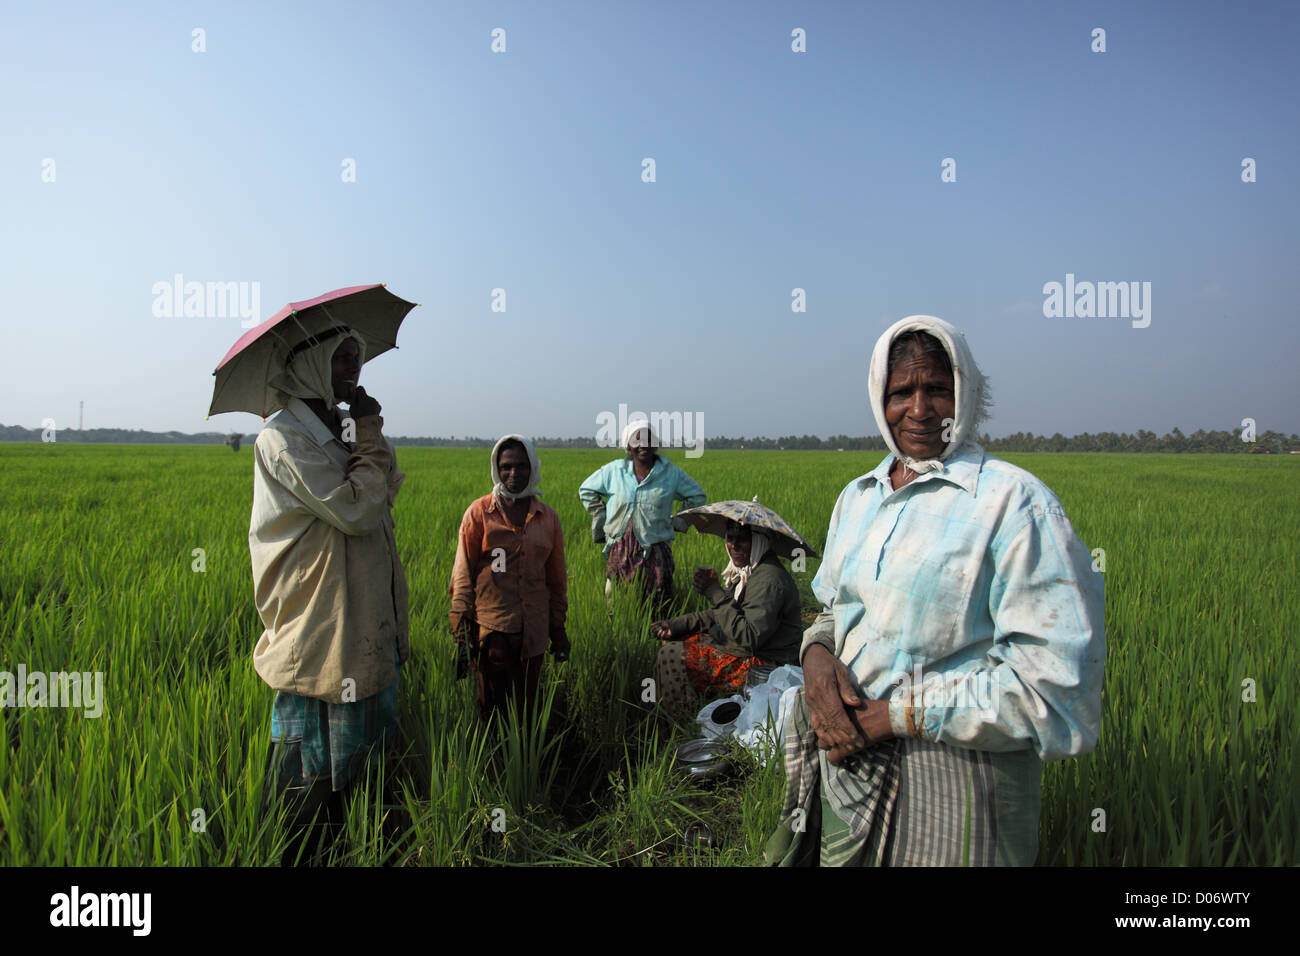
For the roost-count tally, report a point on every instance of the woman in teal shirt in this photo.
(631, 505)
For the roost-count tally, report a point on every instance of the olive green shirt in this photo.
(765, 623)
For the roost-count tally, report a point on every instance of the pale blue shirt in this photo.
(647, 506)
(974, 575)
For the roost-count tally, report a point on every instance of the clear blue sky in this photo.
(522, 170)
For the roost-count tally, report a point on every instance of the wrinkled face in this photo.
(642, 451)
(345, 370)
(919, 396)
(738, 541)
(514, 469)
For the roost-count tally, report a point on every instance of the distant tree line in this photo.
(1220, 442)
(122, 436)
(1200, 441)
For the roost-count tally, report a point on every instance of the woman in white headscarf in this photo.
(961, 642)
(328, 582)
(509, 589)
(631, 505)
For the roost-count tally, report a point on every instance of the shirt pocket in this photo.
(534, 552)
(929, 595)
(655, 504)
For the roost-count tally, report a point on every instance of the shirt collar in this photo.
(534, 503)
(629, 466)
(961, 468)
(310, 421)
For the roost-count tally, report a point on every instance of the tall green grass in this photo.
(95, 575)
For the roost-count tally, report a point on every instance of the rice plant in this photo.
(132, 562)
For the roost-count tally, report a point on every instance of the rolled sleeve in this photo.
(821, 631)
(592, 491)
(464, 569)
(688, 491)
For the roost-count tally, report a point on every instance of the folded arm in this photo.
(357, 503)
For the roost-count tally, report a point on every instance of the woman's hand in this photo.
(660, 630)
(363, 405)
(828, 689)
(872, 721)
(704, 578)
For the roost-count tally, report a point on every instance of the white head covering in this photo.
(969, 384)
(309, 372)
(534, 477)
(636, 425)
(758, 546)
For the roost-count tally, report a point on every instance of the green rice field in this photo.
(97, 573)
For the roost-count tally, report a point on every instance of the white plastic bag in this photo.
(767, 701)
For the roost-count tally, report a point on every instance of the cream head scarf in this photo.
(534, 477)
(637, 425)
(758, 546)
(969, 384)
(309, 372)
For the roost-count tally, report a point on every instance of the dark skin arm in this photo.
(703, 580)
(843, 721)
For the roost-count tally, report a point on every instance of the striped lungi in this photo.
(905, 802)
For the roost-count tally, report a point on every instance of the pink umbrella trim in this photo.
(257, 331)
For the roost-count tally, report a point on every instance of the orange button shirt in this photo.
(511, 580)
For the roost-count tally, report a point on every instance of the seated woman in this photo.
(754, 621)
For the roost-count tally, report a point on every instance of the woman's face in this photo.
(345, 370)
(920, 405)
(514, 469)
(640, 448)
(738, 540)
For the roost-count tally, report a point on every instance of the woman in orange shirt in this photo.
(509, 592)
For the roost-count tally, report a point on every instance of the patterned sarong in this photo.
(690, 667)
(627, 560)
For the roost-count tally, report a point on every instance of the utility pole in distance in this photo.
(81, 415)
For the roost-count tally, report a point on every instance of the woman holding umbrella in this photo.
(754, 620)
(327, 579)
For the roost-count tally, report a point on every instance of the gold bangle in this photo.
(907, 717)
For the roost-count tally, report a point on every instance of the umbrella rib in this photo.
(370, 334)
